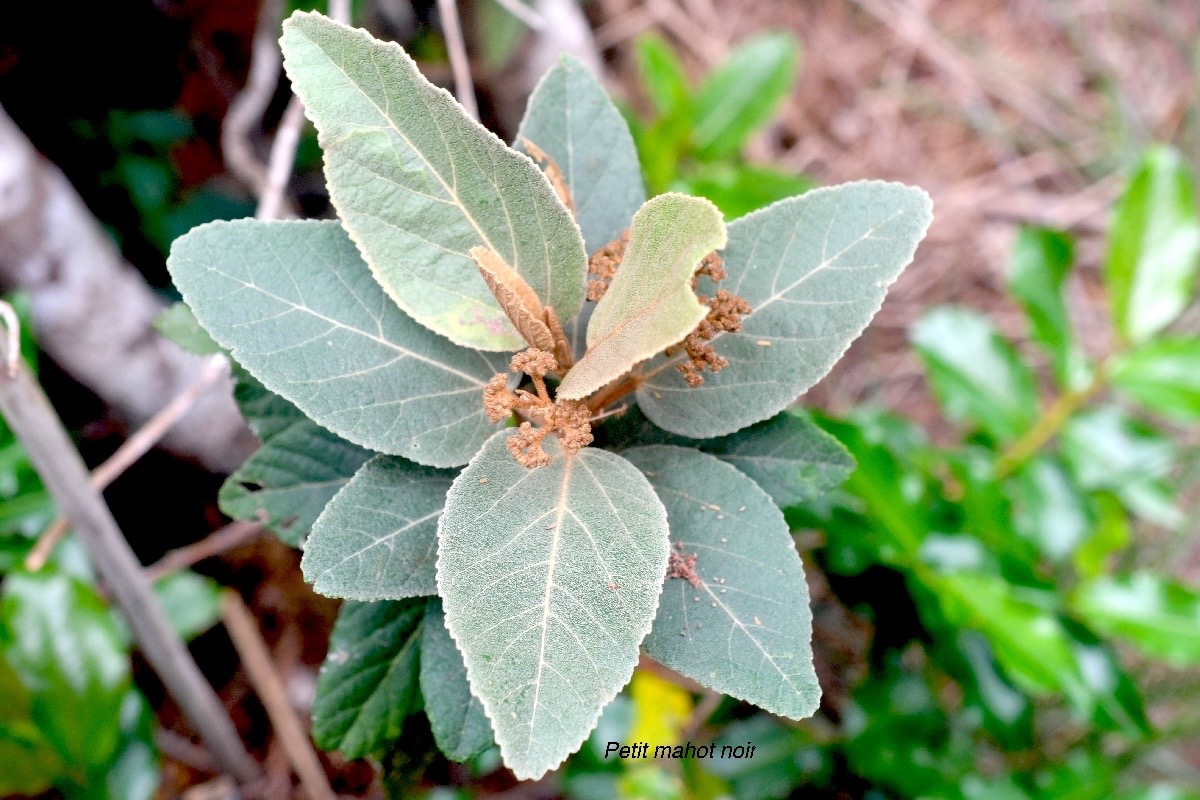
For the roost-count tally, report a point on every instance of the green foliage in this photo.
(412, 191)
(373, 333)
(693, 142)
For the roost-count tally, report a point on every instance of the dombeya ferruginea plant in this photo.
(565, 545)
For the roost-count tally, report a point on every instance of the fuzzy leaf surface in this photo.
(789, 456)
(650, 304)
(418, 183)
(550, 579)
(368, 684)
(460, 727)
(377, 538)
(814, 269)
(297, 307)
(746, 629)
(571, 118)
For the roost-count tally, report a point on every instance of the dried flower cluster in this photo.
(603, 265)
(569, 419)
(725, 314)
(682, 567)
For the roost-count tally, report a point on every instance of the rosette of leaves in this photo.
(506, 579)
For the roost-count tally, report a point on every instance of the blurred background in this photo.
(1005, 591)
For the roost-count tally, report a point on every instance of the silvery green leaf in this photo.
(368, 683)
(814, 269)
(650, 304)
(550, 579)
(291, 477)
(456, 716)
(377, 539)
(418, 183)
(789, 456)
(745, 627)
(297, 307)
(571, 118)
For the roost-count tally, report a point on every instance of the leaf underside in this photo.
(377, 539)
(745, 629)
(814, 269)
(296, 306)
(650, 304)
(550, 578)
(418, 183)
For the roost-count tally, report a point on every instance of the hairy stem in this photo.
(607, 395)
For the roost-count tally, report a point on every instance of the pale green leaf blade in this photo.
(1163, 375)
(290, 479)
(814, 269)
(976, 373)
(550, 579)
(650, 304)
(745, 629)
(1154, 246)
(418, 183)
(296, 306)
(1158, 615)
(743, 93)
(460, 727)
(377, 538)
(368, 683)
(571, 118)
(1037, 273)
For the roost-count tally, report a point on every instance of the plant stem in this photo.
(607, 395)
(464, 88)
(38, 428)
(1048, 424)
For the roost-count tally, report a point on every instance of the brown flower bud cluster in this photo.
(683, 567)
(603, 265)
(569, 419)
(725, 314)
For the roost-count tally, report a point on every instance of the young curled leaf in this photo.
(516, 297)
(650, 304)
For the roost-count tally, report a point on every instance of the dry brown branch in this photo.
(132, 449)
(40, 432)
(216, 543)
(93, 313)
(246, 111)
(256, 658)
(272, 203)
(464, 87)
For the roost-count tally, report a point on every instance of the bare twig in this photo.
(217, 542)
(243, 630)
(12, 327)
(247, 109)
(271, 203)
(37, 427)
(133, 448)
(464, 89)
(531, 18)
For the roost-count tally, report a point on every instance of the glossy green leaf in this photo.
(456, 716)
(976, 373)
(743, 93)
(418, 183)
(1037, 272)
(1049, 508)
(1108, 450)
(192, 602)
(650, 304)
(297, 307)
(661, 74)
(31, 763)
(1153, 247)
(1163, 375)
(738, 189)
(572, 120)
(377, 539)
(1153, 612)
(368, 684)
(744, 626)
(814, 270)
(1109, 536)
(550, 579)
(58, 638)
